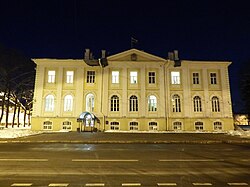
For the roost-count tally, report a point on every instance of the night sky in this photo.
(199, 30)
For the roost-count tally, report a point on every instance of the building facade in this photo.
(134, 91)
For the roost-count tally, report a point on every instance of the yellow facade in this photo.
(136, 91)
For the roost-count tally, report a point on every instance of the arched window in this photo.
(114, 125)
(198, 125)
(197, 104)
(133, 126)
(49, 103)
(217, 125)
(47, 125)
(176, 102)
(67, 125)
(152, 103)
(114, 103)
(215, 104)
(68, 103)
(90, 102)
(133, 104)
(152, 126)
(177, 125)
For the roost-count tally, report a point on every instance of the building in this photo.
(132, 91)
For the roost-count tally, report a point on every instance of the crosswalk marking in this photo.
(21, 184)
(202, 184)
(95, 184)
(167, 184)
(58, 184)
(237, 184)
(131, 184)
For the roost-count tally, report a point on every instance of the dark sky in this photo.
(199, 29)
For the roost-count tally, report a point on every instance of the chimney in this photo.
(87, 54)
(103, 53)
(170, 55)
(176, 55)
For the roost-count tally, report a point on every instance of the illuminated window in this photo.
(114, 125)
(175, 77)
(51, 76)
(198, 125)
(133, 103)
(151, 77)
(49, 103)
(114, 103)
(176, 103)
(90, 76)
(152, 126)
(90, 102)
(69, 77)
(197, 104)
(133, 126)
(217, 125)
(67, 125)
(215, 104)
(47, 125)
(133, 77)
(213, 78)
(152, 103)
(177, 125)
(68, 103)
(115, 77)
(196, 78)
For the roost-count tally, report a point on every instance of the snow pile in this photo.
(16, 133)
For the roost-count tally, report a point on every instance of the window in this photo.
(217, 125)
(115, 77)
(114, 103)
(51, 76)
(151, 77)
(197, 104)
(90, 76)
(90, 102)
(215, 104)
(177, 125)
(69, 77)
(133, 103)
(152, 103)
(47, 125)
(175, 77)
(66, 125)
(114, 125)
(133, 77)
(198, 125)
(196, 79)
(49, 103)
(213, 78)
(176, 102)
(68, 103)
(152, 126)
(133, 126)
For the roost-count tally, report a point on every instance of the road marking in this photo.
(95, 184)
(102, 160)
(237, 184)
(21, 184)
(131, 184)
(166, 184)
(58, 184)
(202, 184)
(24, 159)
(191, 160)
(245, 160)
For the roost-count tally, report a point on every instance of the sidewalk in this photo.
(106, 137)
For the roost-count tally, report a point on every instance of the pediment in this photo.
(134, 55)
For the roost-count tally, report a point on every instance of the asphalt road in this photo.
(79, 165)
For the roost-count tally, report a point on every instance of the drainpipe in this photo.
(103, 116)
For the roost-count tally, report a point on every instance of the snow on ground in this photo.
(10, 132)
